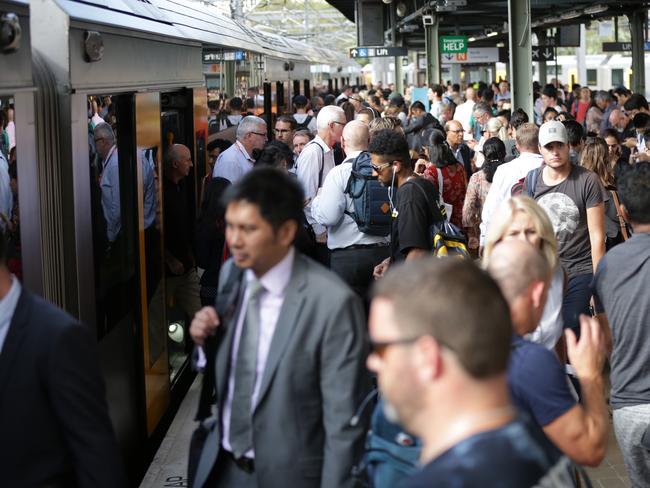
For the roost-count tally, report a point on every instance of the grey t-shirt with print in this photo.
(566, 205)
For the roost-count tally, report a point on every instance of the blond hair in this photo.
(504, 217)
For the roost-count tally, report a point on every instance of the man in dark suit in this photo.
(54, 422)
(290, 349)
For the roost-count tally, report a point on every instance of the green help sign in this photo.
(453, 44)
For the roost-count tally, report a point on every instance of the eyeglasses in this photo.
(98, 139)
(261, 134)
(379, 348)
(381, 167)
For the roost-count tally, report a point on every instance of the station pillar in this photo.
(521, 70)
(637, 26)
(229, 78)
(542, 36)
(432, 47)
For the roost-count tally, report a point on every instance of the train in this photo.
(146, 67)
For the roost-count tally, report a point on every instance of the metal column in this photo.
(399, 76)
(637, 25)
(229, 78)
(432, 46)
(542, 36)
(306, 88)
(521, 70)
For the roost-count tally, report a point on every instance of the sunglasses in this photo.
(379, 348)
(381, 167)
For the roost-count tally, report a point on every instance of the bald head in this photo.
(355, 137)
(177, 162)
(515, 265)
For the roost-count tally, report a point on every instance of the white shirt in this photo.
(311, 127)
(271, 298)
(8, 307)
(308, 167)
(436, 107)
(233, 163)
(550, 326)
(330, 205)
(504, 179)
(463, 114)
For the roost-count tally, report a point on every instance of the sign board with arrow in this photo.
(474, 55)
(377, 52)
(543, 53)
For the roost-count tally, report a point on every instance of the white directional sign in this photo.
(542, 53)
(377, 52)
(474, 55)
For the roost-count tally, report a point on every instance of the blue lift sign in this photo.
(377, 52)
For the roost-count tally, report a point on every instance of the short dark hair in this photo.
(609, 132)
(221, 144)
(274, 154)
(278, 195)
(636, 102)
(437, 89)
(640, 120)
(518, 117)
(288, 119)
(418, 104)
(390, 143)
(575, 132)
(504, 113)
(424, 307)
(236, 103)
(549, 90)
(634, 192)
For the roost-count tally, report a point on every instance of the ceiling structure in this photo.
(486, 21)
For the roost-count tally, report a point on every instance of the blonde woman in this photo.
(521, 218)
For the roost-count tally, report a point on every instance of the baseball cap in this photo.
(552, 131)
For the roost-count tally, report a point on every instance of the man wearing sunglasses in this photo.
(239, 158)
(441, 366)
(413, 200)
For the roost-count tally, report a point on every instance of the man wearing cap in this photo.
(574, 201)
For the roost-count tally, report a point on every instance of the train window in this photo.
(9, 214)
(592, 77)
(113, 222)
(618, 78)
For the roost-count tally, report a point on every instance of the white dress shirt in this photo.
(7, 308)
(504, 179)
(275, 283)
(308, 169)
(463, 114)
(233, 163)
(329, 206)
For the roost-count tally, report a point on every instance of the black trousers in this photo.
(355, 266)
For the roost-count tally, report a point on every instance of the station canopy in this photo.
(485, 22)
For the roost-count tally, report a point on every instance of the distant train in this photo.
(145, 67)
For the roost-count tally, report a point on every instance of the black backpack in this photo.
(305, 124)
(370, 198)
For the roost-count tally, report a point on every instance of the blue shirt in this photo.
(7, 309)
(538, 383)
(110, 186)
(233, 163)
(515, 455)
(149, 184)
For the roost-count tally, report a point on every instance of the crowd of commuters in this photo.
(318, 282)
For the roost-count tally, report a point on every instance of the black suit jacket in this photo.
(467, 155)
(54, 422)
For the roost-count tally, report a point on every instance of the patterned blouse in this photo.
(454, 186)
(477, 191)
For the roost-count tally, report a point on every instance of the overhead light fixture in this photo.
(596, 9)
(572, 14)
(471, 39)
(400, 9)
(501, 44)
(492, 34)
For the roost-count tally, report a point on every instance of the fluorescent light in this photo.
(572, 14)
(596, 9)
(492, 34)
(471, 39)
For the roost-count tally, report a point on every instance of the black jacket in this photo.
(54, 422)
